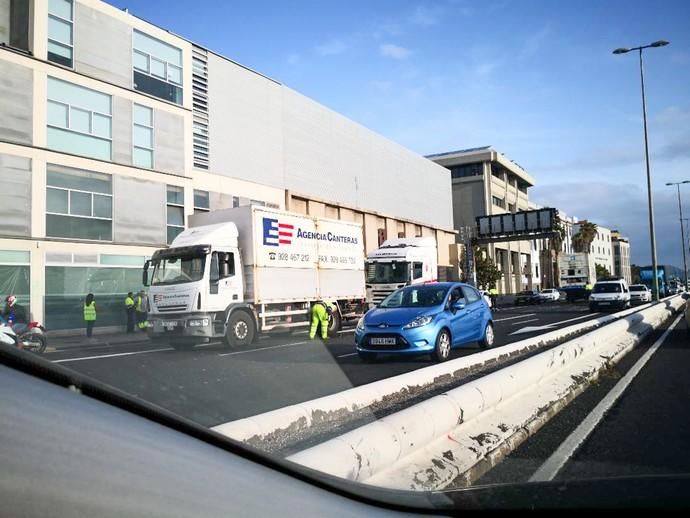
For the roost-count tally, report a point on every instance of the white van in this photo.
(609, 294)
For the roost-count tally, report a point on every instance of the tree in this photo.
(582, 241)
(602, 271)
(488, 273)
(555, 246)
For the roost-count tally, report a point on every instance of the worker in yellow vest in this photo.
(320, 312)
(89, 314)
(141, 309)
(130, 308)
(493, 295)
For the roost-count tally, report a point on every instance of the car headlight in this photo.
(360, 324)
(419, 322)
(199, 322)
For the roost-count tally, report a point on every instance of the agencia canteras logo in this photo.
(277, 233)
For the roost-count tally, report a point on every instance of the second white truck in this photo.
(239, 272)
(399, 262)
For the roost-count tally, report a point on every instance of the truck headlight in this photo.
(197, 322)
(419, 322)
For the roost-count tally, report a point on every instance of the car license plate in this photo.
(382, 340)
(169, 324)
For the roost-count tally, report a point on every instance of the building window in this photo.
(79, 120)
(142, 136)
(201, 202)
(175, 212)
(522, 187)
(157, 68)
(79, 205)
(417, 231)
(20, 24)
(499, 202)
(464, 171)
(61, 32)
(497, 171)
(200, 107)
(511, 207)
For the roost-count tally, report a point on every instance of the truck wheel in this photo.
(240, 330)
(334, 323)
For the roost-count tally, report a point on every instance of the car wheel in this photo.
(489, 336)
(442, 351)
(366, 356)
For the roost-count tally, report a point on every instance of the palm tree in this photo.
(555, 246)
(582, 241)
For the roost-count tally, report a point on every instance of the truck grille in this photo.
(379, 295)
(171, 309)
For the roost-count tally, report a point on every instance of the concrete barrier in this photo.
(278, 429)
(455, 437)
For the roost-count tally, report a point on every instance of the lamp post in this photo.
(652, 237)
(682, 231)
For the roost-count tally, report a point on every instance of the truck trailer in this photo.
(239, 272)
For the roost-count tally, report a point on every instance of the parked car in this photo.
(550, 294)
(528, 297)
(609, 293)
(425, 319)
(639, 294)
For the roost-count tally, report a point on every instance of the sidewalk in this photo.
(99, 340)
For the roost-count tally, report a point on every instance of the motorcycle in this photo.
(33, 338)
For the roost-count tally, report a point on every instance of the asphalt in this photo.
(644, 433)
(212, 384)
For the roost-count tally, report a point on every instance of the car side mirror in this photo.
(457, 306)
(145, 273)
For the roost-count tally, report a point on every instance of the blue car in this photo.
(425, 319)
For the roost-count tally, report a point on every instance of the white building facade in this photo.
(113, 131)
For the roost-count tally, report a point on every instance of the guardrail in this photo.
(276, 430)
(454, 438)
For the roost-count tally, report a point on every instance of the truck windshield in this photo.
(177, 270)
(388, 273)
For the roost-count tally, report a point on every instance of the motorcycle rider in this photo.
(15, 314)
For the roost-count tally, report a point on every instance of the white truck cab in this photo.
(400, 262)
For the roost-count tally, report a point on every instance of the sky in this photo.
(535, 79)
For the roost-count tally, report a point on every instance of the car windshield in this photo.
(385, 243)
(392, 272)
(178, 270)
(607, 288)
(415, 297)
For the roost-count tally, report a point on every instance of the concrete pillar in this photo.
(370, 233)
(38, 282)
(391, 228)
(347, 214)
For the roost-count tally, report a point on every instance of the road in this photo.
(643, 432)
(212, 384)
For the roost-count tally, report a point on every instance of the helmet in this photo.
(11, 299)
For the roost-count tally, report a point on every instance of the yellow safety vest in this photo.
(90, 311)
(140, 304)
(129, 301)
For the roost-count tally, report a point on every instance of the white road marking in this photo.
(549, 326)
(567, 449)
(523, 322)
(346, 355)
(263, 349)
(513, 318)
(112, 355)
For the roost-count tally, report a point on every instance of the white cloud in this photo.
(332, 48)
(388, 50)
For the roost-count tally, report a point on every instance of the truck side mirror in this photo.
(145, 273)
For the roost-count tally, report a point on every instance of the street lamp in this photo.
(682, 232)
(652, 237)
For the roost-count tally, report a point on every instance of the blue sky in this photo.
(535, 79)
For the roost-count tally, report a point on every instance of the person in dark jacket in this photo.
(131, 312)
